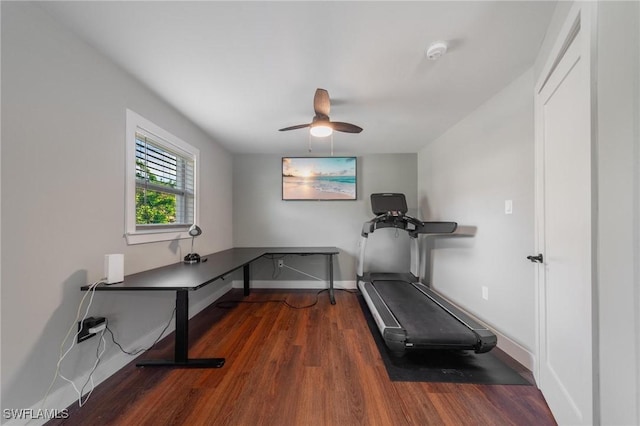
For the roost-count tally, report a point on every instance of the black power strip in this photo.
(84, 326)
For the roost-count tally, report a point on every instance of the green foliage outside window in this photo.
(153, 207)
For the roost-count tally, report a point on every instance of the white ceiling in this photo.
(242, 70)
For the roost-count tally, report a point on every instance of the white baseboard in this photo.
(296, 284)
(515, 351)
(507, 345)
(65, 396)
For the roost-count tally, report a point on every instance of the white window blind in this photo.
(164, 185)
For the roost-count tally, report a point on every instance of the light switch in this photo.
(508, 206)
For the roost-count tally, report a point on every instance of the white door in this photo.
(564, 234)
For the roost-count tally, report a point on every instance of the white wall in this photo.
(63, 152)
(618, 112)
(465, 176)
(262, 218)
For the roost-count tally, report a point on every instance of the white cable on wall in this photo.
(91, 292)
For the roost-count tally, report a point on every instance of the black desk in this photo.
(182, 278)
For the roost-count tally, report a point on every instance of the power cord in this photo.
(276, 271)
(61, 356)
(230, 304)
(139, 351)
(99, 354)
(354, 291)
(101, 343)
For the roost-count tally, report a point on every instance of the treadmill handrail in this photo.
(407, 223)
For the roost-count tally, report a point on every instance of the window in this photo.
(161, 193)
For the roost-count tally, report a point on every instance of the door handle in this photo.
(535, 259)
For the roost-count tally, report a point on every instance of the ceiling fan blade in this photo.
(299, 126)
(321, 102)
(345, 127)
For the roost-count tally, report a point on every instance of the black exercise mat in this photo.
(442, 365)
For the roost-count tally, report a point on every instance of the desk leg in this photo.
(246, 269)
(181, 345)
(331, 295)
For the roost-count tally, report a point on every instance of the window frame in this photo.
(135, 123)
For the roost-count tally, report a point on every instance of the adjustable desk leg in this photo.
(247, 278)
(181, 349)
(331, 296)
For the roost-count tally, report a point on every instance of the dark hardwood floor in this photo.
(314, 366)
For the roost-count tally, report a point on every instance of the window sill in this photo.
(152, 237)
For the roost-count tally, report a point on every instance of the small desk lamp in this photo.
(192, 257)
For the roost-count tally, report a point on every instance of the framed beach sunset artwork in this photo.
(319, 178)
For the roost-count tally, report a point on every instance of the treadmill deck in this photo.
(423, 320)
(412, 316)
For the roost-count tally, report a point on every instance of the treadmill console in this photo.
(389, 203)
(390, 210)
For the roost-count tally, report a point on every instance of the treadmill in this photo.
(407, 312)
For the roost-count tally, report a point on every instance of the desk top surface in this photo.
(181, 276)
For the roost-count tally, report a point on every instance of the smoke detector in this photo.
(436, 50)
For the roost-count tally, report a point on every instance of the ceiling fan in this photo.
(321, 126)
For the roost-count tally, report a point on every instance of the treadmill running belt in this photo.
(424, 321)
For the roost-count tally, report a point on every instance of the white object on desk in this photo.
(114, 268)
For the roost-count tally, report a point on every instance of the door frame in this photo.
(582, 16)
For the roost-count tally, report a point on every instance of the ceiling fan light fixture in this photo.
(321, 126)
(321, 131)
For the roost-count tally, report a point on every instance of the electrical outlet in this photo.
(280, 263)
(85, 327)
